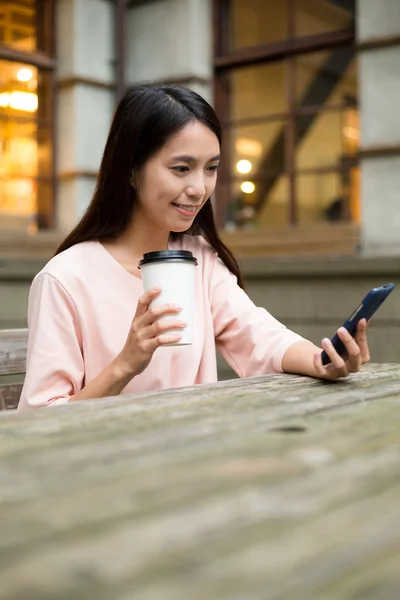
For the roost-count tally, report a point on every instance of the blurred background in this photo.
(307, 92)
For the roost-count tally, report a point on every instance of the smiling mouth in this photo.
(188, 207)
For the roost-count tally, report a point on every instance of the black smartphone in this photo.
(367, 308)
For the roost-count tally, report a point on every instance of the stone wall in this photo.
(85, 100)
(312, 296)
(171, 41)
(378, 27)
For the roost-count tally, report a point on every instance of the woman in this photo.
(92, 331)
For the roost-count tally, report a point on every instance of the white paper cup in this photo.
(174, 272)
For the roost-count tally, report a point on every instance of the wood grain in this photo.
(13, 344)
(274, 487)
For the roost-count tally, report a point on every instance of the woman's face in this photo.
(176, 182)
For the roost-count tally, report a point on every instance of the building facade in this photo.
(306, 91)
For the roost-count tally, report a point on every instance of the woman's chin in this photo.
(181, 227)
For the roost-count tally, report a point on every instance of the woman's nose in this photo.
(197, 187)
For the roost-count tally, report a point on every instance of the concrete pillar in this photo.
(379, 69)
(86, 100)
(171, 41)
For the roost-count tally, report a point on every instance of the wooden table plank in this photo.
(277, 487)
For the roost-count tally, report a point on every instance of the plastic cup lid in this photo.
(167, 256)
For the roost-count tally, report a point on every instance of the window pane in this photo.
(274, 212)
(240, 212)
(24, 203)
(323, 197)
(258, 160)
(255, 22)
(25, 25)
(244, 213)
(256, 91)
(17, 203)
(257, 150)
(327, 143)
(328, 77)
(26, 156)
(321, 16)
(258, 164)
(320, 140)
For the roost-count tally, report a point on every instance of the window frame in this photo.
(43, 61)
(226, 60)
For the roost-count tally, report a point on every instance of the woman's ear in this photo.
(133, 180)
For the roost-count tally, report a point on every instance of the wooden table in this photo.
(277, 487)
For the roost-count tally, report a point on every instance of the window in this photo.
(288, 106)
(26, 115)
(253, 22)
(312, 17)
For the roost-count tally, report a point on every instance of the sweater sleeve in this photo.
(250, 339)
(55, 365)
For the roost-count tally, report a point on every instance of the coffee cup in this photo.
(174, 272)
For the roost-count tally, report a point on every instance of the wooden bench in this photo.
(13, 344)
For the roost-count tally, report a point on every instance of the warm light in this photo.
(4, 100)
(26, 101)
(244, 166)
(247, 187)
(248, 147)
(351, 132)
(24, 75)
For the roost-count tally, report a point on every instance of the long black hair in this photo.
(144, 120)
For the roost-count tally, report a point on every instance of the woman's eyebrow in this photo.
(184, 158)
(190, 159)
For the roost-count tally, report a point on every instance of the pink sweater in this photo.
(81, 306)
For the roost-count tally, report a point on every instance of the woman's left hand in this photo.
(357, 354)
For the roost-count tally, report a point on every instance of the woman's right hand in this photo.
(147, 333)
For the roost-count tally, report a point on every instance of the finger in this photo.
(336, 360)
(324, 371)
(144, 301)
(353, 350)
(160, 327)
(169, 338)
(361, 339)
(154, 313)
(152, 344)
(319, 367)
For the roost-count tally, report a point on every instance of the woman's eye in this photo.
(213, 168)
(181, 169)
